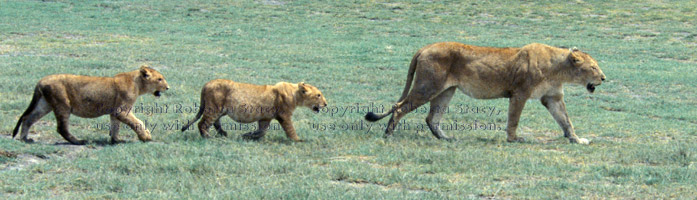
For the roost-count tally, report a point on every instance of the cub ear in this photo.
(303, 87)
(574, 57)
(144, 71)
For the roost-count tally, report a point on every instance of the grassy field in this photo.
(642, 121)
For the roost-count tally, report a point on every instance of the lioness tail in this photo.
(370, 116)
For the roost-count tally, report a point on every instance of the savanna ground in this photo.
(642, 121)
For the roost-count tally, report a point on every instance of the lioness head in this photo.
(311, 97)
(152, 81)
(586, 70)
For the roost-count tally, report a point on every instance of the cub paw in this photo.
(116, 141)
(78, 142)
(222, 133)
(580, 141)
(515, 139)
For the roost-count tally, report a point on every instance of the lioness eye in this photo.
(159, 79)
(319, 95)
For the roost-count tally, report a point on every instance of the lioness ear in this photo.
(144, 71)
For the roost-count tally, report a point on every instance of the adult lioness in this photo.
(535, 71)
(247, 103)
(90, 97)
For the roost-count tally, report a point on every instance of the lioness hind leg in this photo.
(42, 108)
(219, 127)
(428, 83)
(260, 132)
(438, 107)
(417, 97)
(409, 104)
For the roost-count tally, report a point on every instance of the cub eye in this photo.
(319, 95)
(159, 79)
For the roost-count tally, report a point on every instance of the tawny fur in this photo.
(535, 71)
(90, 97)
(247, 103)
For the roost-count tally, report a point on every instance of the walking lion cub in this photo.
(90, 97)
(247, 103)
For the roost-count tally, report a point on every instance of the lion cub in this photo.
(90, 97)
(247, 103)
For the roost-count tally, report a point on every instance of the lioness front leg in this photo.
(135, 124)
(556, 106)
(114, 130)
(260, 132)
(287, 125)
(515, 108)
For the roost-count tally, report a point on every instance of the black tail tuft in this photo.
(189, 124)
(14, 132)
(372, 117)
(185, 127)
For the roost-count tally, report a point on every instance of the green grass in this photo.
(642, 121)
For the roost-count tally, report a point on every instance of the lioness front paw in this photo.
(580, 140)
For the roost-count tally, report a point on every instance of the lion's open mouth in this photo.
(590, 87)
(157, 93)
(315, 109)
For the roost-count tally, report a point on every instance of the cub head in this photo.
(152, 81)
(311, 97)
(585, 70)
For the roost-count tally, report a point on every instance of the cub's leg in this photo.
(556, 106)
(219, 127)
(287, 125)
(57, 97)
(135, 124)
(260, 132)
(62, 116)
(515, 107)
(114, 129)
(40, 110)
(438, 106)
(208, 119)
